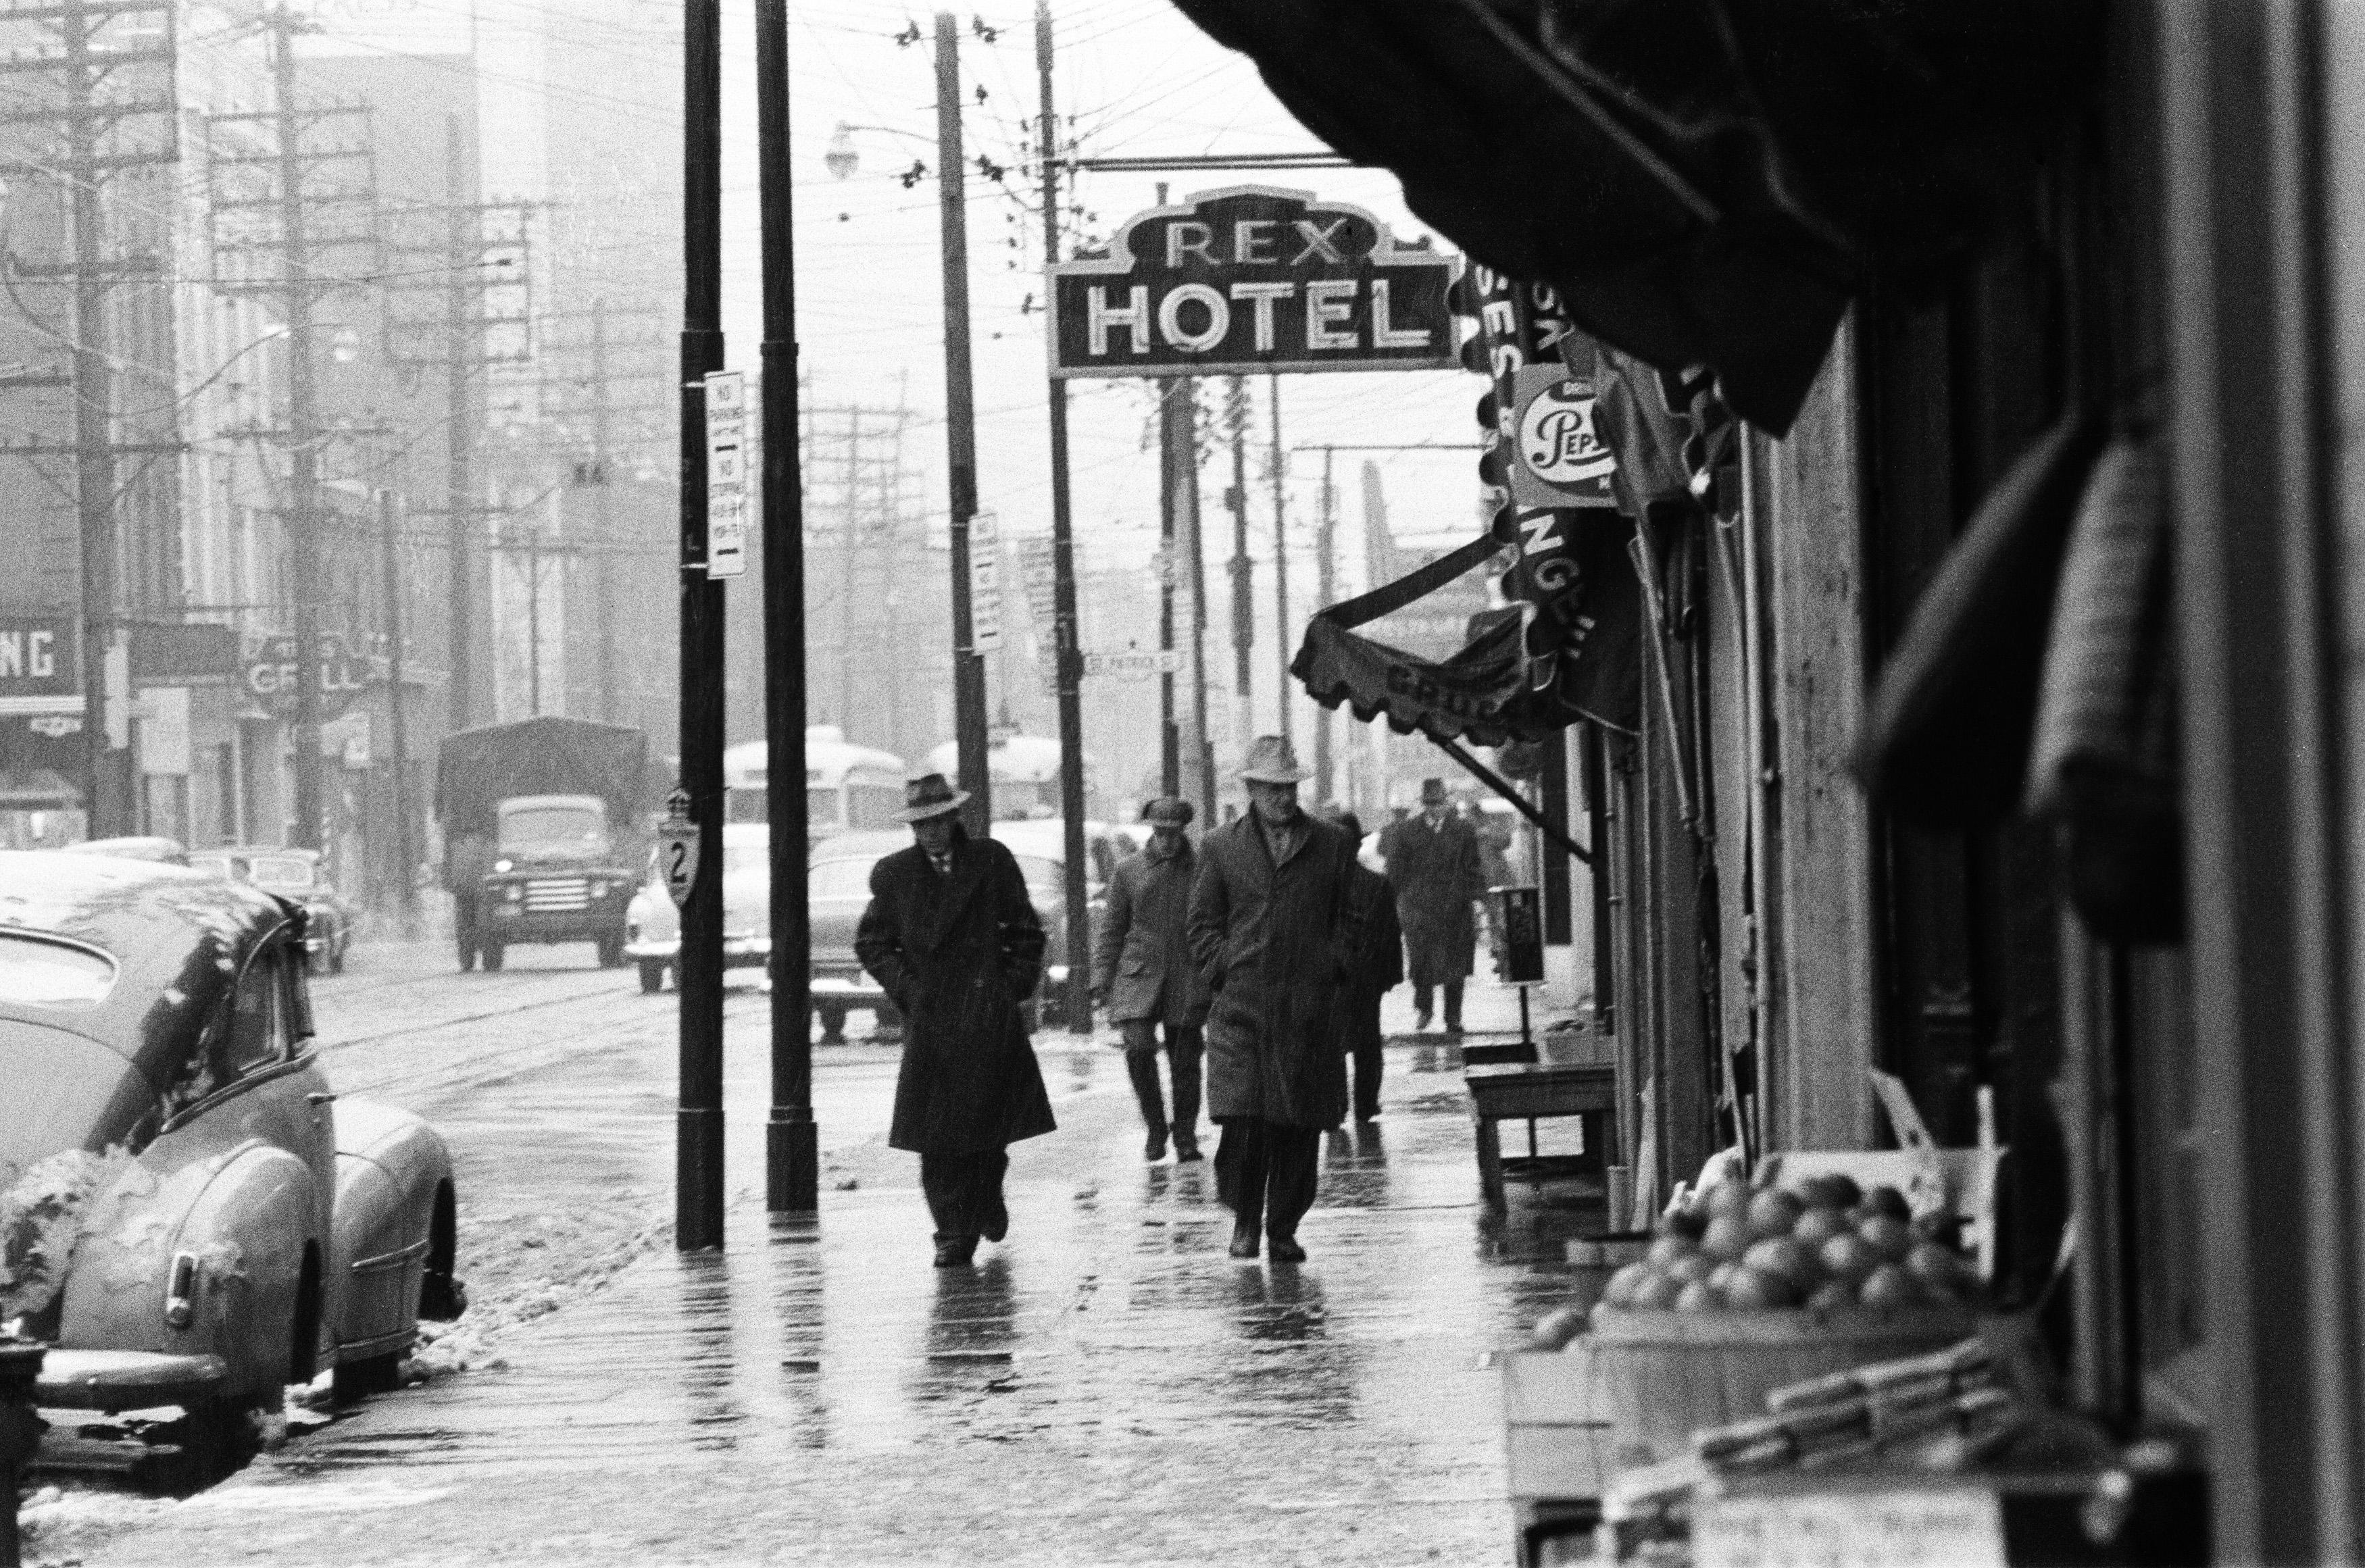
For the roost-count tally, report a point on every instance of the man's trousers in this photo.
(964, 1194)
(1184, 1049)
(1265, 1173)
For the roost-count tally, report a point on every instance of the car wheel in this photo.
(378, 1374)
(833, 1026)
(493, 956)
(652, 977)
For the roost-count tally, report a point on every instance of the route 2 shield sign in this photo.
(678, 848)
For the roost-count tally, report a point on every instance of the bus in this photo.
(846, 786)
(1024, 771)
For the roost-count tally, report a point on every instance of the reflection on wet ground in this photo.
(1107, 1386)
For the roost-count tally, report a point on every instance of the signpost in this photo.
(726, 474)
(1252, 280)
(984, 582)
(678, 848)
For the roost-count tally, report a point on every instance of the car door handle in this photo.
(319, 1097)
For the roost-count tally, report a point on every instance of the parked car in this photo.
(295, 875)
(841, 888)
(168, 851)
(653, 926)
(187, 1211)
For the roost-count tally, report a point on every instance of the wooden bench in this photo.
(1531, 1094)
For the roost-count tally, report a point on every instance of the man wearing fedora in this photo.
(950, 936)
(1433, 861)
(1275, 932)
(1144, 969)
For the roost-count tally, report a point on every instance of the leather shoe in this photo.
(956, 1252)
(1186, 1149)
(1285, 1249)
(997, 1225)
(1155, 1149)
(1244, 1242)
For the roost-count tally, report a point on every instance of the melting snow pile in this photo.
(41, 1219)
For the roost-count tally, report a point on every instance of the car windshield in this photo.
(840, 879)
(279, 871)
(553, 824)
(36, 972)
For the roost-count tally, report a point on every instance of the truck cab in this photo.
(557, 876)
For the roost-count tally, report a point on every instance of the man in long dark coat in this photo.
(1380, 971)
(1433, 862)
(950, 936)
(1274, 932)
(1144, 969)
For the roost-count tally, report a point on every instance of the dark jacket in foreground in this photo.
(1144, 963)
(958, 954)
(1436, 875)
(1278, 946)
(1383, 967)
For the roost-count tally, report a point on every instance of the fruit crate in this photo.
(1659, 1376)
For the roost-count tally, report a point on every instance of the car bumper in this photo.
(125, 1379)
(738, 952)
(841, 984)
(507, 925)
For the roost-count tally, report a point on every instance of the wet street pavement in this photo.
(1106, 1387)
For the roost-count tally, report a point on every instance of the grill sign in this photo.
(1251, 280)
(37, 657)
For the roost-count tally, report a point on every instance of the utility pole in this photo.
(792, 1158)
(1202, 758)
(406, 849)
(1068, 658)
(848, 554)
(1170, 485)
(303, 515)
(960, 429)
(461, 309)
(1236, 415)
(1325, 589)
(698, 1150)
(604, 570)
(1280, 558)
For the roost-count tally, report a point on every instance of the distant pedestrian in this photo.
(951, 939)
(1380, 971)
(1144, 969)
(1433, 862)
(1274, 930)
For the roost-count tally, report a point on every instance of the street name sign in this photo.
(985, 583)
(1247, 280)
(1135, 666)
(726, 473)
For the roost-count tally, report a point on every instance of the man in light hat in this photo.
(950, 936)
(1275, 935)
(1433, 861)
(1144, 969)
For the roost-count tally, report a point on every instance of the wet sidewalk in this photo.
(1106, 1387)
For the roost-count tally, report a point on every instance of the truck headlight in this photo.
(501, 865)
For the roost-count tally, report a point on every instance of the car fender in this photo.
(390, 1165)
(243, 1219)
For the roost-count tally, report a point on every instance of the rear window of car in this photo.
(37, 972)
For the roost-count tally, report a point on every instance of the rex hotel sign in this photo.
(1251, 280)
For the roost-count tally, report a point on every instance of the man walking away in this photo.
(1381, 970)
(1144, 969)
(1433, 863)
(1274, 934)
(951, 939)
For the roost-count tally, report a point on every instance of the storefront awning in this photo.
(37, 790)
(1704, 182)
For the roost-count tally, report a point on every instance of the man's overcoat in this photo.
(1381, 969)
(1144, 963)
(958, 953)
(1277, 944)
(1435, 871)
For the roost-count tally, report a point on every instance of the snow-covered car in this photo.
(188, 1212)
(653, 926)
(295, 875)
